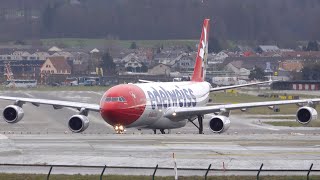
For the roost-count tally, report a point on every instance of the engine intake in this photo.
(78, 123)
(219, 124)
(306, 114)
(12, 114)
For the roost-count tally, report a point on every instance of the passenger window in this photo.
(122, 99)
(115, 99)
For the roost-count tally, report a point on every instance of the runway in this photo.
(42, 137)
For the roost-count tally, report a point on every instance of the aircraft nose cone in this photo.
(123, 104)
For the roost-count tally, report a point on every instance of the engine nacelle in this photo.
(78, 123)
(12, 114)
(306, 114)
(219, 124)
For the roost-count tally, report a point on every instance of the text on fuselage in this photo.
(161, 98)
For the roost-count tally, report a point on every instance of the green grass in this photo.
(276, 117)
(226, 98)
(82, 42)
(60, 88)
(120, 177)
(293, 123)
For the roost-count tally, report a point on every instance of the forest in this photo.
(263, 21)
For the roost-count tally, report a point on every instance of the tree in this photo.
(257, 73)
(108, 65)
(144, 68)
(310, 71)
(312, 46)
(48, 17)
(189, 49)
(214, 45)
(133, 45)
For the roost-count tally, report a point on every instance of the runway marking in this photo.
(264, 127)
(93, 92)
(28, 94)
(3, 136)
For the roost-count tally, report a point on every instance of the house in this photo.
(167, 56)
(237, 68)
(54, 69)
(184, 62)
(95, 50)
(291, 65)
(41, 55)
(220, 56)
(54, 49)
(56, 65)
(80, 63)
(267, 49)
(65, 54)
(159, 69)
(133, 65)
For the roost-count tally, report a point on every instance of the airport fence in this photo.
(152, 171)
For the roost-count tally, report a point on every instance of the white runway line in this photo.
(98, 93)
(3, 136)
(28, 94)
(264, 127)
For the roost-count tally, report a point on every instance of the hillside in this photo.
(271, 21)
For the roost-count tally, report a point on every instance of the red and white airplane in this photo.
(160, 105)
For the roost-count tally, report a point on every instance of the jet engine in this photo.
(219, 124)
(78, 123)
(306, 114)
(12, 114)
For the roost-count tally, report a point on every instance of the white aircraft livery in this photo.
(160, 105)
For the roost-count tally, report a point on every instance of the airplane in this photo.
(160, 105)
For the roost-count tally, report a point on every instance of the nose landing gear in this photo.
(119, 129)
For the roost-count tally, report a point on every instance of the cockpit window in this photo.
(115, 99)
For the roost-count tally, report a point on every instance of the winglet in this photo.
(201, 60)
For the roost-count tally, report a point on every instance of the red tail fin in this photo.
(201, 60)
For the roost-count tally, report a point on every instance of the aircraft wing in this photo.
(238, 86)
(55, 103)
(188, 112)
(145, 81)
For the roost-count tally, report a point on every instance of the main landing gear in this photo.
(200, 121)
(161, 130)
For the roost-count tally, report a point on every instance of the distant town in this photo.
(75, 66)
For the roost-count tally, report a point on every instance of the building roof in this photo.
(301, 54)
(54, 49)
(60, 63)
(95, 50)
(158, 64)
(269, 48)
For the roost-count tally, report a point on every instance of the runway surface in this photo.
(42, 137)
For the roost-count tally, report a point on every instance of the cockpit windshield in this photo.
(115, 99)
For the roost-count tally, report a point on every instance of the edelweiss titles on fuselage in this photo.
(178, 97)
